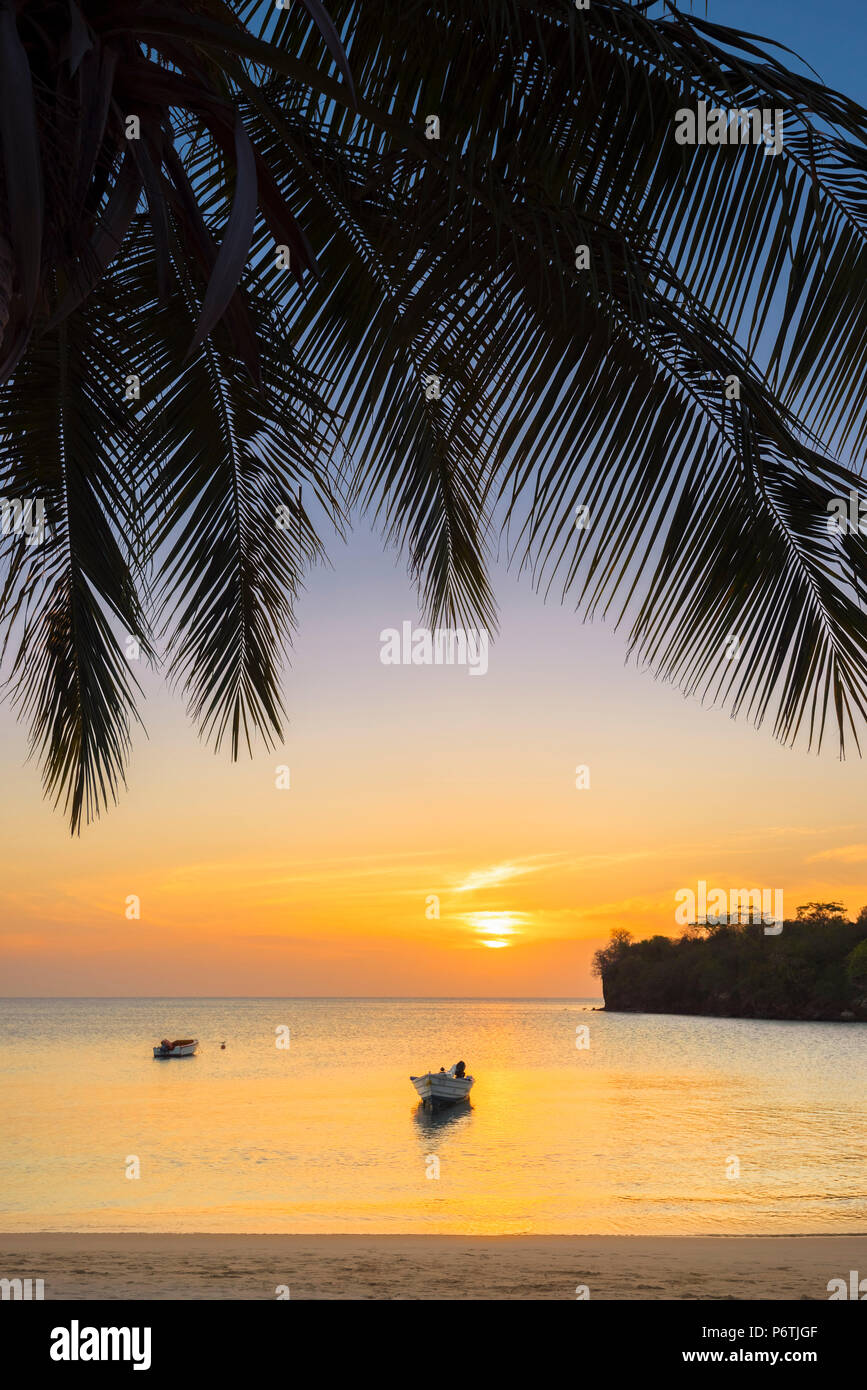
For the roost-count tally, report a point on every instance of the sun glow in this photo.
(496, 925)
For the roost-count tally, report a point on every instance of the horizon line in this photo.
(404, 998)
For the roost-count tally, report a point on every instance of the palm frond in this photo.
(414, 260)
(71, 601)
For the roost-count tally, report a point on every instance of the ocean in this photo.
(660, 1125)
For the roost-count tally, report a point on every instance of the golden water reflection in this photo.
(631, 1135)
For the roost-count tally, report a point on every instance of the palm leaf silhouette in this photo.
(410, 259)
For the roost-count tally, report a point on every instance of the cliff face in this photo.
(809, 971)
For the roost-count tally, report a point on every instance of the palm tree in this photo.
(249, 284)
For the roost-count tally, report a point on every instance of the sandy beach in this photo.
(137, 1266)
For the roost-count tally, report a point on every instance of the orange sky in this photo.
(408, 782)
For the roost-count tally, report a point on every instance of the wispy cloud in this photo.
(496, 874)
(844, 854)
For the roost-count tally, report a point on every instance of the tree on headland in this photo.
(607, 955)
(448, 264)
(816, 968)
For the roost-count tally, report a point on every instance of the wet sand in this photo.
(138, 1266)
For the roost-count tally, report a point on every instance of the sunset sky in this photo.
(408, 782)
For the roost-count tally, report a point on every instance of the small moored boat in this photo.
(181, 1047)
(442, 1087)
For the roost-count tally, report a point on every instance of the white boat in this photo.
(181, 1047)
(442, 1087)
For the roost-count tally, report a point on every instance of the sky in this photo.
(417, 791)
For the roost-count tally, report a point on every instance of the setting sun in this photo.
(495, 925)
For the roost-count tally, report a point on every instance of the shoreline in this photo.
(845, 1018)
(141, 1266)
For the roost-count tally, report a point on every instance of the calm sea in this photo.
(642, 1132)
